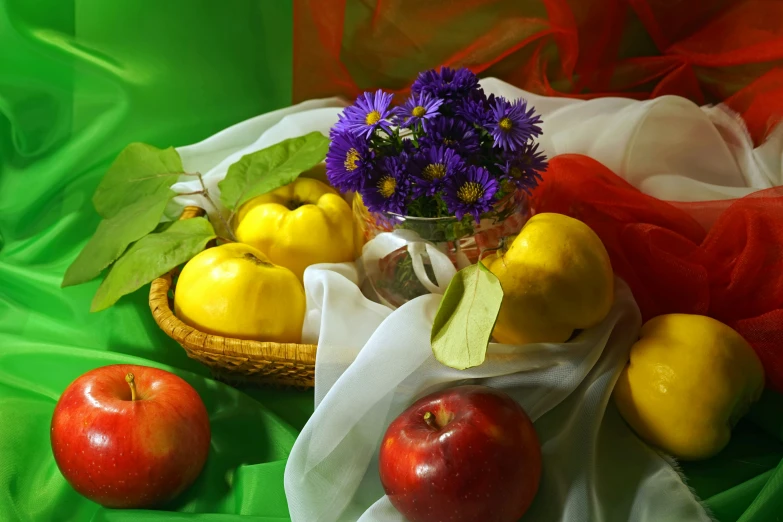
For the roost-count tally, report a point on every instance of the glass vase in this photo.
(405, 257)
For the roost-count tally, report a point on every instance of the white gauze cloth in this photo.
(373, 362)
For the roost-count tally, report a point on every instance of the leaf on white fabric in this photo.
(270, 168)
(114, 235)
(466, 317)
(140, 171)
(151, 257)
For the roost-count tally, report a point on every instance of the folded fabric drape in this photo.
(594, 468)
(723, 259)
(707, 51)
(80, 79)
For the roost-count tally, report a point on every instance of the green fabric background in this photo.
(79, 79)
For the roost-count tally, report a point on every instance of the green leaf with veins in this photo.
(270, 168)
(140, 171)
(114, 235)
(466, 317)
(151, 257)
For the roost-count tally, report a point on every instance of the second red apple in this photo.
(465, 454)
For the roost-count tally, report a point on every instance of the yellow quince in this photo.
(233, 290)
(689, 380)
(556, 278)
(298, 225)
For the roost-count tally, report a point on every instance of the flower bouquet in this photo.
(451, 166)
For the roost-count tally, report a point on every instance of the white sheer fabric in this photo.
(372, 362)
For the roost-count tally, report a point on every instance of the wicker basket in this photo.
(232, 360)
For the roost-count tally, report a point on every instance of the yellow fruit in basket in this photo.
(556, 278)
(298, 225)
(689, 380)
(233, 290)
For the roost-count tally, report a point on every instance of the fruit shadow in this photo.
(244, 433)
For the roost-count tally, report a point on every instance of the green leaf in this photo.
(113, 237)
(265, 170)
(466, 317)
(151, 257)
(139, 171)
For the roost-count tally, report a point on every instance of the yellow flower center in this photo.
(419, 111)
(373, 118)
(470, 192)
(447, 141)
(351, 157)
(515, 172)
(505, 124)
(434, 171)
(386, 186)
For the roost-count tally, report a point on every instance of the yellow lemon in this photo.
(689, 380)
(556, 278)
(298, 225)
(233, 290)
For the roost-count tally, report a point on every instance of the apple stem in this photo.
(429, 418)
(132, 383)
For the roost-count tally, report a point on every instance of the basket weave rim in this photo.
(191, 338)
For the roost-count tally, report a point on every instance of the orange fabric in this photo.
(723, 259)
(708, 51)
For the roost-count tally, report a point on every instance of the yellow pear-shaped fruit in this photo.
(298, 225)
(689, 380)
(233, 290)
(556, 278)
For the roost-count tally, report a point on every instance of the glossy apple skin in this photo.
(479, 462)
(130, 454)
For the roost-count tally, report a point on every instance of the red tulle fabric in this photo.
(723, 259)
(709, 51)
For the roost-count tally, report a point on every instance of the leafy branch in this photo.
(218, 212)
(132, 197)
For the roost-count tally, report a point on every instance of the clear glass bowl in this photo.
(389, 260)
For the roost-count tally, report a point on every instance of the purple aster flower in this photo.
(447, 84)
(524, 169)
(388, 188)
(432, 166)
(454, 134)
(512, 125)
(470, 192)
(349, 161)
(476, 109)
(368, 113)
(428, 82)
(474, 112)
(418, 109)
(409, 147)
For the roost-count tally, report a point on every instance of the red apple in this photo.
(465, 454)
(130, 436)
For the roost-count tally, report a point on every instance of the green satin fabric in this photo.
(79, 79)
